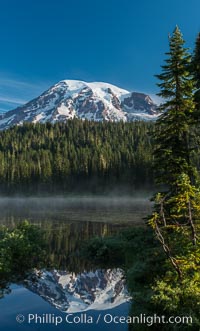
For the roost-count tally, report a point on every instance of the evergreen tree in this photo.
(196, 72)
(172, 133)
(176, 215)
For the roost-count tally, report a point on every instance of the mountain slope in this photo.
(93, 101)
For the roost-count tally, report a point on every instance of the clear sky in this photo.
(117, 41)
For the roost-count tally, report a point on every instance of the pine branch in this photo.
(168, 251)
(193, 230)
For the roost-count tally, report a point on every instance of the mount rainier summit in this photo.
(77, 99)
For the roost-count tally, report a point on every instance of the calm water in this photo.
(108, 209)
(68, 222)
(23, 302)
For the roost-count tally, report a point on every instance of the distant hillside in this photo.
(76, 153)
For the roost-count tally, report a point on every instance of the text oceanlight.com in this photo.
(103, 318)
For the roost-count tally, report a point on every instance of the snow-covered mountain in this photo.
(93, 101)
(100, 289)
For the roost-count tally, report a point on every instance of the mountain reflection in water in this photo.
(70, 282)
(72, 293)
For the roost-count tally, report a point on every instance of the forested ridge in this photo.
(64, 153)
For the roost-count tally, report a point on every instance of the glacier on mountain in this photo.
(77, 99)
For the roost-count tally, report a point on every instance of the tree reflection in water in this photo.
(49, 245)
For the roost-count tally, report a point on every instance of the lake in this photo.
(72, 293)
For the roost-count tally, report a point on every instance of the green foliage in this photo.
(151, 279)
(77, 156)
(67, 154)
(181, 299)
(176, 216)
(124, 250)
(21, 250)
(196, 72)
(104, 252)
(173, 139)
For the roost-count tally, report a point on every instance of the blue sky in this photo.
(117, 41)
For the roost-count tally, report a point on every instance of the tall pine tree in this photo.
(177, 208)
(172, 137)
(176, 215)
(196, 72)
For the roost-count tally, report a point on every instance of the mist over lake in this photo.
(102, 208)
